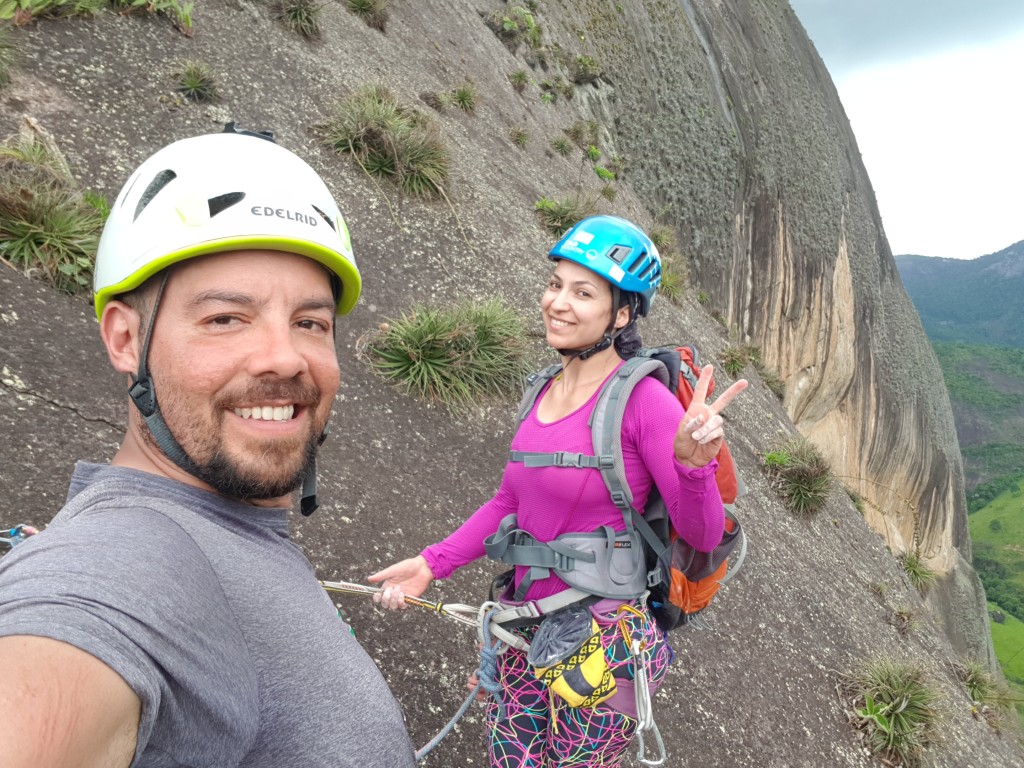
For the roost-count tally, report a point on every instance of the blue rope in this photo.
(487, 678)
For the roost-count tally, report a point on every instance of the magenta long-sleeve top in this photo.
(550, 501)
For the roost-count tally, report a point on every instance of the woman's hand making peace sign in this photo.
(700, 432)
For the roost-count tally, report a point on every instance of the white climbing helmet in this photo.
(221, 192)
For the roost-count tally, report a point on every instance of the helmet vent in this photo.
(159, 181)
(638, 263)
(618, 253)
(325, 217)
(223, 202)
(649, 271)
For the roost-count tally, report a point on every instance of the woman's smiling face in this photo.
(576, 307)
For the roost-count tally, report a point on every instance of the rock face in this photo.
(731, 132)
(731, 122)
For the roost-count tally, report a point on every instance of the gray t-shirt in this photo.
(215, 619)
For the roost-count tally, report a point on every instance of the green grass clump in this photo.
(561, 145)
(456, 356)
(519, 136)
(904, 620)
(558, 216)
(609, 192)
(777, 387)
(24, 11)
(48, 226)
(464, 97)
(921, 576)
(674, 275)
(8, 54)
(196, 82)
(801, 474)
(390, 140)
(664, 238)
(374, 13)
(585, 69)
(735, 359)
(547, 98)
(584, 133)
(519, 79)
(302, 16)
(991, 697)
(516, 24)
(604, 174)
(893, 705)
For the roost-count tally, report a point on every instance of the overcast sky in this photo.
(934, 92)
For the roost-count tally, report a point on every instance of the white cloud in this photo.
(941, 139)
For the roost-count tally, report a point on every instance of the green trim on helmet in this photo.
(351, 283)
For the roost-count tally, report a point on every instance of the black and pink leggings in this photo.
(537, 732)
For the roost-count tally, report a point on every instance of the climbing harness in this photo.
(18, 534)
(567, 656)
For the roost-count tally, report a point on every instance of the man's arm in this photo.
(63, 708)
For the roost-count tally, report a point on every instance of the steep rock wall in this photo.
(738, 135)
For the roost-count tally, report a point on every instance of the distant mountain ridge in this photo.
(976, 301)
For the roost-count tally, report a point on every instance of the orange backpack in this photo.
(682, 580)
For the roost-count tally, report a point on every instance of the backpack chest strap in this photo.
(561, 459)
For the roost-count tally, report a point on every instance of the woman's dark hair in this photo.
(628, 340)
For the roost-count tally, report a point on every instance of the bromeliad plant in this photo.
(801, 474)
(390, 140)
(196, 82)
(48, 226)
(921, 576)
(991, 698)
(375, 13)
(893, 705)
(302, 16)
(455, 356)
(558, 216)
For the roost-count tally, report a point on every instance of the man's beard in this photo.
(204, 445)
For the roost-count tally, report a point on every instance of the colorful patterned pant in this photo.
(539, 730)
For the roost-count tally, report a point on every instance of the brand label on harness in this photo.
(623, 545)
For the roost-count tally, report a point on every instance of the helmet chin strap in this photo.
(143, 394)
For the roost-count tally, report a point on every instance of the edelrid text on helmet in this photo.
(618, 251)
(221, 192)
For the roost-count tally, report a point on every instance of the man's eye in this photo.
(224, 320)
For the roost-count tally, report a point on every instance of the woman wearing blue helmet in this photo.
(568, 694)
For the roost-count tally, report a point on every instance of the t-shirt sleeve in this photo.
(691, 495)
(131, 588)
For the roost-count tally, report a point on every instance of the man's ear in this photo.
(120, 330)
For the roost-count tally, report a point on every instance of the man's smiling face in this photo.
(244, 367)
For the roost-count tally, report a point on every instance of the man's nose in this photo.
(276, 351)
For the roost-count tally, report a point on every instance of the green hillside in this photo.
(976, 300)
(997, 533)
(986, 391)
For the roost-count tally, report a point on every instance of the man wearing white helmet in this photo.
(164, 618)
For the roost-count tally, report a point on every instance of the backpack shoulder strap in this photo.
(606, 423)
(534, 384)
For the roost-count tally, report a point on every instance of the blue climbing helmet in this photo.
(618, 251)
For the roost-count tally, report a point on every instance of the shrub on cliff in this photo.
(390, 140)
(48, 226)
(455, 356)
